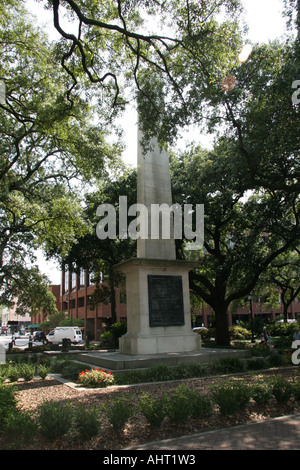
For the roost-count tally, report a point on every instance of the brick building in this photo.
(77, 286)
(76, 289)
(73, 298)
(205, 315)
(11, 322)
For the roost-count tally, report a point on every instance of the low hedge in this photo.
(56, 419)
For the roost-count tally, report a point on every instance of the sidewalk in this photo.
(281, 433)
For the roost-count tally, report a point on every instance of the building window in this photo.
(94, 279)
(74, 276)
(66, 281)
(81, 278)
(91, 280)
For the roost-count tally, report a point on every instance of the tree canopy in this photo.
(162, 53)
(47, 152)
(243, 232)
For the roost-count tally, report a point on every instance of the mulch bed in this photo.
(32, 394)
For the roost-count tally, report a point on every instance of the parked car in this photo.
(71, 333)
(39, 336)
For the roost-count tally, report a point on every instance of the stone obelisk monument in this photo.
(157, 285)
(154, 187)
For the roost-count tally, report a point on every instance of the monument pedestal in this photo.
(157, 285)
(158, 307)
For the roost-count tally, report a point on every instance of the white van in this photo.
(72, 333)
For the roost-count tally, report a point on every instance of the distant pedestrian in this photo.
(296, 335)
(265, 334)
(43, 337)
(262, 339)
(270, 341)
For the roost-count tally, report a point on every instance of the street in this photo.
(21, 342)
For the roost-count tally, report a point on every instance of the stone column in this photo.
(157, 285)
(154, 188)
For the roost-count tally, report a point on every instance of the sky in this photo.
(265, 23)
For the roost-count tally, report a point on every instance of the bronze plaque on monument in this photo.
(165, 300)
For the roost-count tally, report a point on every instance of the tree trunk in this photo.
(222, 331)
(285, 313)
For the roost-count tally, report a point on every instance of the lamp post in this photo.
(250, 296)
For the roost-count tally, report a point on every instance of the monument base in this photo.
(117, 362)
(159, 344)
(158, 307)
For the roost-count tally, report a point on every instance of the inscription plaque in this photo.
(165, 300)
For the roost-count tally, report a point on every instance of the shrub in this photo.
(43, 371)
(87, 422)
(275, 360)
(27, 371)
(161, 373)
(20, 370)
(20, 426)
(231, 396)
(14, 372)
(57, 365)
(130, 377)
(177, 404)
(201, 406)
(95, 378)
(283, 329)
(296, 389)
(239, 333)
(110, 339)
(118, 413)
(283, 342)
(282, 389)
(107, 341)
(260, 393)
(185, 371)
(54, 419)
(118, 329)
(257, 363)
(8, 402)
(207, 335)
(259, 350)
(153, 410)
(228, 365)
(197, 370)
(3, 372)
(71, 370)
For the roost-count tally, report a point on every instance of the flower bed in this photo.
(154, 407)
(95, 378)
